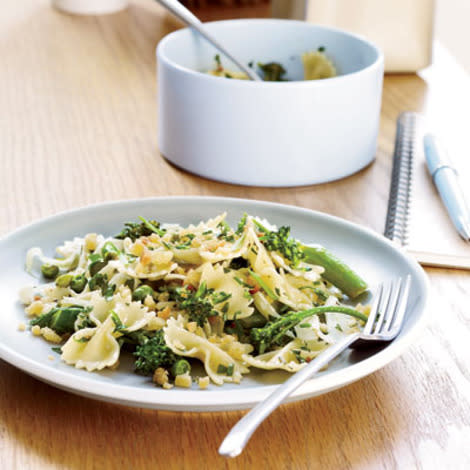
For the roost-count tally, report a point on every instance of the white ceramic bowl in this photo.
(268, 133)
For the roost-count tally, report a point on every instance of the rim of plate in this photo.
(218, 400)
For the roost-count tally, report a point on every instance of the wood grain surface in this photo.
(78, 126)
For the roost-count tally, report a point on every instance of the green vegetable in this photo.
(273, 71)
(320, 293)
(60, 319)
(181, 366)
(336, 272)
(49, 271)
(142, 292)
(255, 320)
(96, 266)
(117, 321)
(134, 230)
(78, 283)
(63, 280)
(273, 334)
(84, 321)
(241, 224)
(108, 291)
(197, 304)
(153, 226)
(98, 281)
(238, 263)
(227, 370)
(110, 251)
(263, 285)
(152, 354)
(282, 242)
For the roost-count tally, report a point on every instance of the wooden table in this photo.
(78, 126)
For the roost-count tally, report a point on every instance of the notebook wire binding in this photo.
(399, 202)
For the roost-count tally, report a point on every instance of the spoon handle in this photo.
(187, 17)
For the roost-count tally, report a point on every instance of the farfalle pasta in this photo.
(230, 298)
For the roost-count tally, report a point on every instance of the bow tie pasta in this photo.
(229, 298)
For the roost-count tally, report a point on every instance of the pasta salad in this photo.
(231, 298)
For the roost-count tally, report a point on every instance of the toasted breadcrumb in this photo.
(145, 257)
(36, 330)
(50, 335)
(35, 308)
(160, 376)
(51, 357)
(183, 380)
(165, 313)
(203, 382)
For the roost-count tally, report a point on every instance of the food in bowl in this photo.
(296, 132)
(232, 298)
(316, 66)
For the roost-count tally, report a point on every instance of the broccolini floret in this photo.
(274, 333)
(134, 230)
(152, 354)
(282, 242)
(197, 304)
(60, 319)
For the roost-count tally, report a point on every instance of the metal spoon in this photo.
(186, 16)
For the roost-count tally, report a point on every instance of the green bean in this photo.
(336, 271)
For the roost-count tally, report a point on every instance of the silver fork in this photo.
(384, 323)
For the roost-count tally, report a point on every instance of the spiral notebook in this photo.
(416, 218)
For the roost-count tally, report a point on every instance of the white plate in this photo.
(369, 254)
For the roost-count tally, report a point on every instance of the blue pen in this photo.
(446, 179)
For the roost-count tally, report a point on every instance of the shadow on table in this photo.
(58, 428)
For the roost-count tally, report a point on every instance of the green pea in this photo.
(63, 280)
(141, 293)
(78, 283)
(181, 366)
(49, 271)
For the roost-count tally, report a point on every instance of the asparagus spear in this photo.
(336, 272)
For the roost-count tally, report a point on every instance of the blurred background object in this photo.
(211, 10)
(90, 7)
(403, 29)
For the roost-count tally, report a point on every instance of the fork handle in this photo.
(236, 439)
